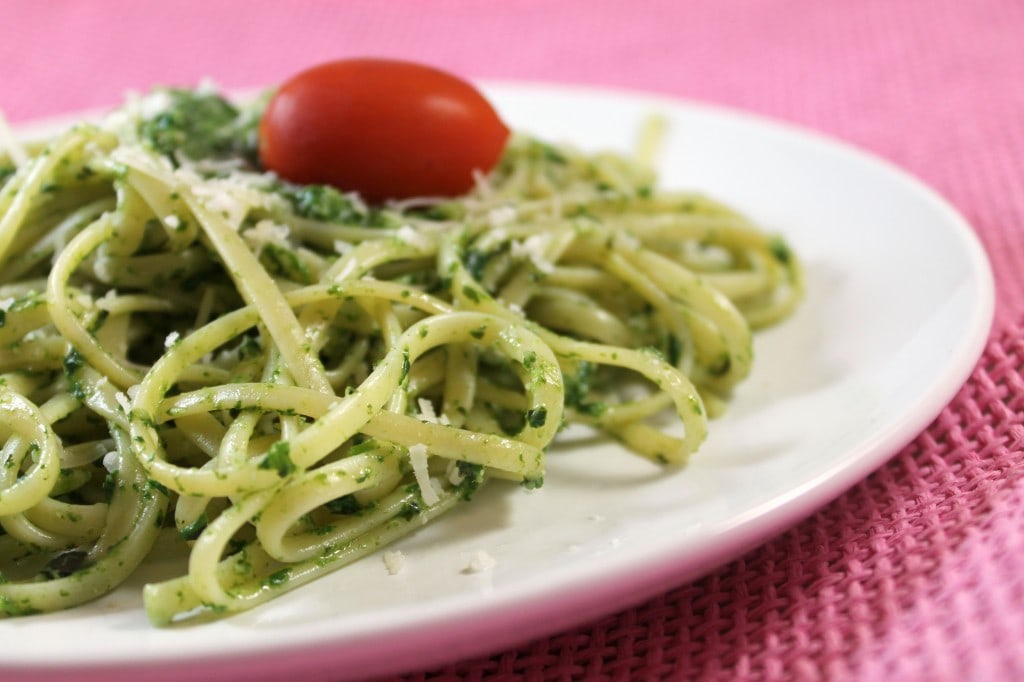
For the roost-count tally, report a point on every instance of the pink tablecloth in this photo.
(914, 574)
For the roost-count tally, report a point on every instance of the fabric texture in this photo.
(915, 573)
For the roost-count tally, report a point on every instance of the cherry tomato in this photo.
(386, 129)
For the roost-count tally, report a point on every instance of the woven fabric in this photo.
(915, 573)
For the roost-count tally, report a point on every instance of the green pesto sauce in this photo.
(278, 458)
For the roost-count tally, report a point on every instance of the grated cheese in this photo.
(152, 104)
(413, 237)
(111, 460)
(455, 476)
(502, 216)
(534, 248)
(103, 268)
(123, 401)
(207, 86)
(218, 199)
(427, 413)
(482, 183)
(267, 232)
(481, 561)
(134, 156)
(418, 460)
(394, 561)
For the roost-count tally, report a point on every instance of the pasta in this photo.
(288, 379)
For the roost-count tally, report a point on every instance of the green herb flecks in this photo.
(780, 250)
(194, 529)
(345, 505)
(200, 125)
(470, 477)
(537, 416)
(284, 262)
(320, 202)
(278, 459)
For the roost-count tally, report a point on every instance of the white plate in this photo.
(899, 304)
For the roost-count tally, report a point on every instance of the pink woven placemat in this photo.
(915, 574)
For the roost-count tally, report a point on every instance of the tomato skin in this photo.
(384, 128)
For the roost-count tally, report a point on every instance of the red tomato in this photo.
(386, 129)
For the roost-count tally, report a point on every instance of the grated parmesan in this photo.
(135, 156)
(394, 561)
(413, 237)
(207, 86)
(104, 269)
(482, 184)
(481, 561)
(267, 232)
(427, 413)
(111, 460)
(455, 476)
(501, 216)
(123, 401)
(534, 248)
(418, 460)
(219, 200)
(152, 104)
